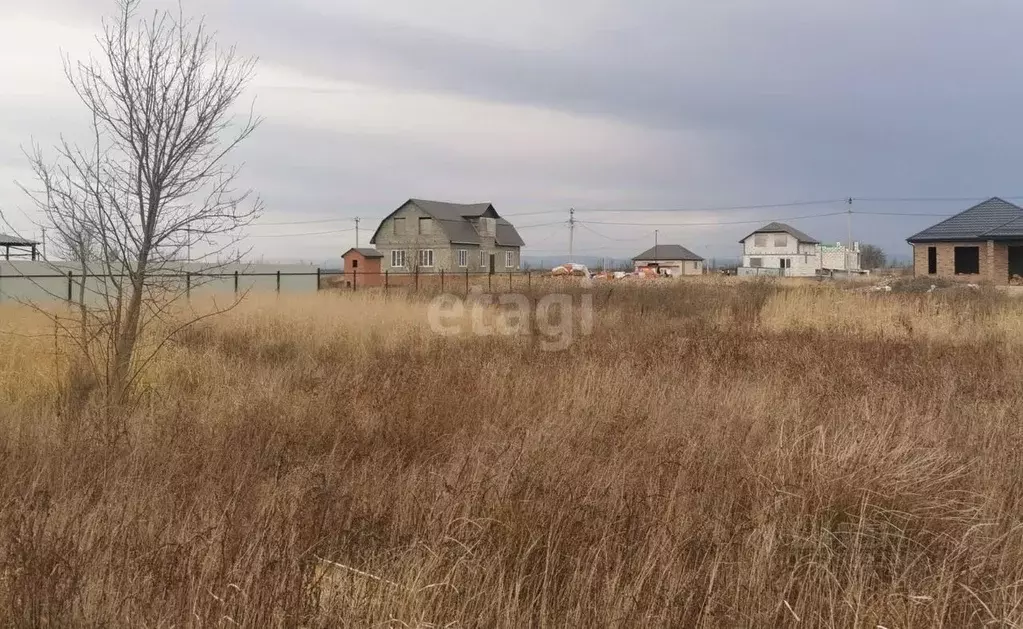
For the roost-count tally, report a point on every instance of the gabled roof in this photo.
(994, 218)
(668, 252)
(454, 221)
(366, 252)
(782, 228)
(15, 241)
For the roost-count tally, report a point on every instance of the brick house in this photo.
(362, 267)
(431, 236)
(981, 244)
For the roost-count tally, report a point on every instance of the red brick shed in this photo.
(362, 267)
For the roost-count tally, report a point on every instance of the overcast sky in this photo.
(539, 106)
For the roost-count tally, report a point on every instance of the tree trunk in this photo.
(124, 349)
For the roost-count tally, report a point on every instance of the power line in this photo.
(573, 221)
(541, 225)
(586, 226)
(712, 224)
(946, 214)
(313, 222)
(516, 215)
(335, 231)
(763, 206)
(929, 199)
(355, 229)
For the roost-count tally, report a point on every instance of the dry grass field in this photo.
(714, 454)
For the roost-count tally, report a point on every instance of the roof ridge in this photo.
(970, 209)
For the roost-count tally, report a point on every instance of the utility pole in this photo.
(848, 245)
(44, 243)
(571, 235)
(356, 232)
(656, 231)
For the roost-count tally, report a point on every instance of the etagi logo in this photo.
(552, 319)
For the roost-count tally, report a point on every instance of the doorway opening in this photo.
(1015, 262)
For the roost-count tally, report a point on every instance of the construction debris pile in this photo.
(580, 270)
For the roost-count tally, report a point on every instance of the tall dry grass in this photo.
(713, 455)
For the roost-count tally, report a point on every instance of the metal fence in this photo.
(59, 281)
(443, 281)
(18, 285)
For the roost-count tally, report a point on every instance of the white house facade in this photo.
(781, 250)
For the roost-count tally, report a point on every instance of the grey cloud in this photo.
(865, 98)
(803, 99)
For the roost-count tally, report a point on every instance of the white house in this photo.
(671, 260)
(780, 249)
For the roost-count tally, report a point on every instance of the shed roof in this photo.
(15, 241)
(366, 252)
(994, 218)
(668, 252)
(454, 220)
(780, 228)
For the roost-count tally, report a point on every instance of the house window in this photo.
(398, 258)
(355, 264)
(756, 263)
(786, 263)
(967, 260)
(509, 259)
(483, 259)
(932, 260)
(424, 224)
(463, 258)
(426, 257)
(760, 240)
(399, 227)
(781, 240)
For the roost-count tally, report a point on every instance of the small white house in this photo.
(670, 260)
(782, 250)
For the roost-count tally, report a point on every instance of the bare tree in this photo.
(153, 181)
(872, 257)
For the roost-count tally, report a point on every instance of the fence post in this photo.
(386, 280)
(466, 280)
(236, 282)
(490, 282)
(529, 279)
(442, 280)
(70, 286)
(188, 284)
(278, 281)
(417, 279)
(318, 278)
(509, 280)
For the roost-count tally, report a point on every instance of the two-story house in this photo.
(431, 236)
(780, 249)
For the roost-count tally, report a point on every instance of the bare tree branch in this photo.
(154, 180)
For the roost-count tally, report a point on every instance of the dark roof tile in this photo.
(366, 252)
(782, 228)
(455, 221)
(668, 252)
(990, 218)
